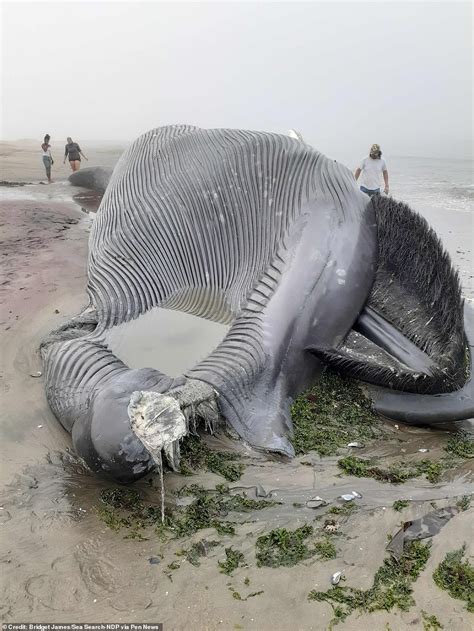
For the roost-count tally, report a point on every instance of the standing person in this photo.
(371, 168)
(47, 157)
(73, 152)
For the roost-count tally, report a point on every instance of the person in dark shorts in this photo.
(47, 157)
(73, 153)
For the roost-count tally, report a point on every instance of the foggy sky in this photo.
(344, 75)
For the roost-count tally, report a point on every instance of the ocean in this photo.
(443, 184)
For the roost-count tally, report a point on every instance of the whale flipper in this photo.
(93, 178)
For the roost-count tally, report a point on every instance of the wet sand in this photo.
(59, 560)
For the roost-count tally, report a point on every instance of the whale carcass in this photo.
(262, 232)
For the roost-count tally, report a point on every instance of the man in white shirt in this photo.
(371, 168)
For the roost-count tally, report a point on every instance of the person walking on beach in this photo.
(73, 152)
(47, 157)
(371, 168)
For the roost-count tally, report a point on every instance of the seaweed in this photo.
(237, 596)
(432, 470)
(456, 576)
(461, 445)
(464, 503)
(195, 454)
(325, 549)
(391, 587)
(199, 550)
(126, 508)
(344, 509)
(111, 519)
(233, 560)
(430, 623)
(331, 414)
(208, 509)
(399, 505)
(282, 547)
(396, 473)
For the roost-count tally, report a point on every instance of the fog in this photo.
(344, 74)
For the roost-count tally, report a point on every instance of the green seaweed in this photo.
(126, 508)
(233, 560)
(344, 509)
(331, 414)
(430, 623)
(391, 587)
(461, 445)
(456, 576)
(281, 547)
(399, 505)
(208, 509)
(237, 596)
(325, 549)
(396, 473)
(195, 454)
(464, 503)
(122, 497)
(199, 550)
(432, 470)
(111, 519)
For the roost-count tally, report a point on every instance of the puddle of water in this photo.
(62, 191)
(41, 192)
(170, 341)
(88, 201)
(294, 482)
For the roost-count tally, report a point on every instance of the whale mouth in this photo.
(410, 340)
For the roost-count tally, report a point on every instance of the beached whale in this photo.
(264, 233)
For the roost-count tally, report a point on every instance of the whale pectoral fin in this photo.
(93, 178)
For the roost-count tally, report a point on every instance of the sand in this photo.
(59, 560)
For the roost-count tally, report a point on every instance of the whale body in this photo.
(261, 232)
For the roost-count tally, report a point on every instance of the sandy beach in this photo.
(61, 562)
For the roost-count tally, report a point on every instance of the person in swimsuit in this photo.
(47, 157)
(73, 153)
(371, 168)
